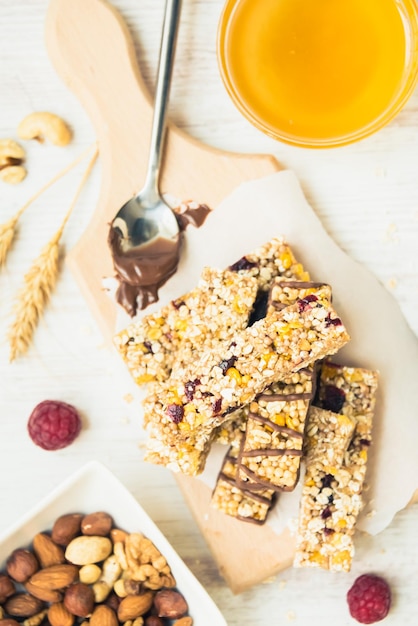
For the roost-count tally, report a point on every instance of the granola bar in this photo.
(232, 500)
(231, 376)
(222, 301)
(272, 446)
(349, 391)
(327, 439)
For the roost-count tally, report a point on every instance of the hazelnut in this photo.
(7, 588)
(21, 564)
(66, 528)
(79, 599)
(169, 603)
(153, 620)
(97, 524)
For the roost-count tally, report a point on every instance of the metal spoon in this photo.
(147, 217)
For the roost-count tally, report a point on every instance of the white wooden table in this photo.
(366, 196)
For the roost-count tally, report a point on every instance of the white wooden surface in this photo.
(367, 197)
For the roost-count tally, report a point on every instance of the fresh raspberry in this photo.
(369, 599)
(54, 424)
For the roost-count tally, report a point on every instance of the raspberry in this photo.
(54, 424)
(369, 599)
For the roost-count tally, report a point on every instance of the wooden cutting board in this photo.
(92, 50)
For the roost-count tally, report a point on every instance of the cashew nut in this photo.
(110, 573)
(12, 156)
(43, 125)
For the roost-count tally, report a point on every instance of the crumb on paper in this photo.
(282, 584)
(390, 235)
(292, 524)
(371, 514)
(380, 171)
(125, 420)
(269, 580)
(128, 398)
(392, 283)
(86, 330)
(290, 616)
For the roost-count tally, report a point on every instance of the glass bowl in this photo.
(248, 38)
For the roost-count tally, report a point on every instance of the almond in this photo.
(47, 551)
(8, 622)
(55, 576)
(103, 616)
(132, 607)
(99, 523)
(23, 605)
(47, 595)
(88, 549)
(21, 564)
(66, 528)
(58, 615)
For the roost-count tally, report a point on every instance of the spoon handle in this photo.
(165, 66)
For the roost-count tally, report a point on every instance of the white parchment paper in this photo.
(380, 337)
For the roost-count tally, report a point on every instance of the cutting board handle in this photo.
(92, 50)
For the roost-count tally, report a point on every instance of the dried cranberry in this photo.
(328, 531)
(206, 394)
(332, 398)
(175, 412)
(332, 321)
(326, 513)
(148, 346)
(226, 364)
(365, 442)
(216, 406)
(326, 481)
(303, 303)
(242, 264)
(190, 388)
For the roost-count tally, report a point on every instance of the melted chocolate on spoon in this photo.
(142, 272)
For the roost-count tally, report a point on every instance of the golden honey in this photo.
(319, 72)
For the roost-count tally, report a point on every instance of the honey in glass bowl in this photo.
(319, 73)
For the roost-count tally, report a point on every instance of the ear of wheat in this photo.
(8, 230)
(7, 234)
(39, 283)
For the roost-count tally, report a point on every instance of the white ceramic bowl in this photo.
(83, 492)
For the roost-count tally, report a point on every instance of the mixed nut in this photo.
(86, 571)
(39, 126)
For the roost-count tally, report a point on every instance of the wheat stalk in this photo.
(39, 283)
(8, 229)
